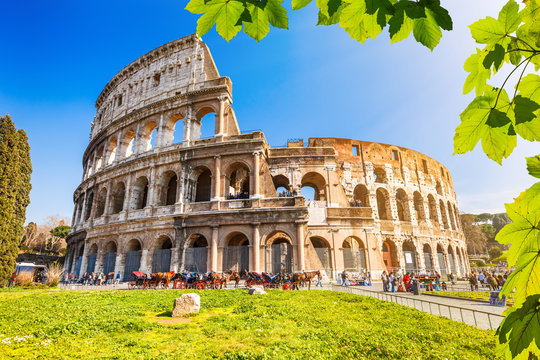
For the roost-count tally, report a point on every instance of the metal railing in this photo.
(480, 319)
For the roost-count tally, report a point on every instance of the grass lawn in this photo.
(482, 295)
(61, 324)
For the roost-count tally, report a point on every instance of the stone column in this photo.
(99, 261)
(160, 134)
(256, 248)
(83, 209)
(300, 243)
(393, 206)
(435, 259)
(84, 262)
(186, 139)
(174, 259)
(127, 192)
(118, 266)
(117, 155)
(214, 250)
(143, 266)
(220, 117)
(412, 211)
(107, 198)
(152, 189)
(256, 175)
(217, 178)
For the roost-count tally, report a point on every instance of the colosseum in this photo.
(155, 196)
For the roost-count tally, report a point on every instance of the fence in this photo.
(481, 319)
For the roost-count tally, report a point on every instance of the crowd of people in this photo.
(98, 278)
(491, 280)
(287, 193)
(360, 278)
(242, 195)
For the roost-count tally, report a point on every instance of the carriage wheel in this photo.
(286, 286)
(200, 286)
(131, 285)
(247, 283)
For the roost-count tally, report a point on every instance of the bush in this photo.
(479, 263)
(494, 252)
(24, 278)
(54, 274)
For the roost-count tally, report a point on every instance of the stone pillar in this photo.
(186, 139)
(99, 261)
(160, 134)
(127, 193)
(217, 178)
(174, 259)
(151, 199)
(220, 117)
(117, 155)
(300, 243)
(214, 250)
(143, 266)
(256, 175)
(83, 209)
(84, 262)
(107, 198)
(412, 211)
(118, 266)
(435, 259)
(393, 206)
(256, 248)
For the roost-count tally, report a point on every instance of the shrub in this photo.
(54, 274)
(24, 278)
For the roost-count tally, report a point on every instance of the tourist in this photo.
(393, 282)
(480, 278)
(344, 279)
(117, 280)
(319, 281)
(384, 279)
(368, 278)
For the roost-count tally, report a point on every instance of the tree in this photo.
(475, 238)
(15, 170)
(61, 231)
(500, 220)
(494, 252)
(493, 118)
(490, 231)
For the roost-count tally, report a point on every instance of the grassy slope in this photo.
(231, 324)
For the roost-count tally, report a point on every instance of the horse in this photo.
(492, 282)
(297, 279)
(309, 275)
(166, 279)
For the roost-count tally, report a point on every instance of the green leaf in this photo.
(245, 17)
(299, 4)
(259, 26)
(426, 30)
(527, 108)
(487, 31)
(276, 14)
(227, 19)
(441, 15)
(521, 328)
(479, 74)
(509, 17)
(513, 54)
(351, 20)
(400, 26)
(533, 165)
(489, 122)
(494, 57)
(196, 6)
(325, 20)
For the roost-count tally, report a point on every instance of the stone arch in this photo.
(237, 178)
(442, 260)
(173, 133)
(432, 204)
(205, 125)
(451, 216)
(168, 185)
(148, 136)
(139, 194)
(318, 255)
(402, 203)
(317, 182)
(200, 184)
(133, 258)
(438, 188)
(458, 218)
(161, 258)
(389, 252)
(428, 257)
(383, 204)
(236, 252)
(379, 174)
(89, 204)
(419, 206)
(101, 200)
(91, 258)
(443, 214)
(410, 256)
(196, 253)
(282, 184)
(117, 197)
(128, 143)
(279, 252)
(451, 263)
(111, 150)
(110, 257)
(99, 157)
(354, 254)
(361, 195)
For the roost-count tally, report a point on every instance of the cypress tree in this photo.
(15, 170)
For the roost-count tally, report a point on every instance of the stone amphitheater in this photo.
(155, 196)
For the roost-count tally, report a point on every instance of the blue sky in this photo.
(307, 81)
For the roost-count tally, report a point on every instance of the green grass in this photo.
(63, 324)
(481, 295)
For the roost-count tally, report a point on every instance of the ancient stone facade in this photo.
(156, 197)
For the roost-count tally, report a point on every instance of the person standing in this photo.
(393, 281)
(344, 278)
(117, 280)
(384, 279)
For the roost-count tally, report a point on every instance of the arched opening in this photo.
(361, 196)
(148, 136)
(133, 258)
(101, 200)
(117, 201)
(402, 202)
(380, 175)
(89, 204)
(390, 255)
(383, 204)
(451, 215)
(354, 254)
(318, 255)
(139, 194)
(442, 262)
(282, 185)
(438, 187)
(458, 218)
(174, 132)
(279, 253)
(409, 254)
(207, 123)
(91, 261)
(443, 214)
(161, 259)
(428, 260)
(236, 253)
(419, 206)
(110, 257)
(168, 185)
(99, 158)
(433, 209)
(128, 142)
(238, 181)
(451, 262)
(111, 150)
(195, 256)
(316, 182)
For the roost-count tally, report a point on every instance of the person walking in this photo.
(384, 278)
(344, 278)
(319, 281)
(393, 281)
(117, 280)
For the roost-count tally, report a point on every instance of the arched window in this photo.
(282, 185)
(279, 253)
(451, 260)
(117, 201)
(111, 150)
(206, 118)
(89, 203)
(91, 261)
(168, 185)
(133, 258)
(174, 130)
(390, 255)
(438, 187)
(110, 257)
(361, 196)
(443, 214)
(433, 209)
(316, 182)
(419, 206)
(354, 254)
(402, 202)
(203, 186)
(451, 216)
(236, 253)
(196, 254)
(128, 142)
(442, 261)
(100, 206)
(148, 137)
(428, 259)
(380, 175)
(237, 176)
(320, 258)
(99, 158)
(409, 254)
(161, 259)
(139, 194)
(383, 204)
